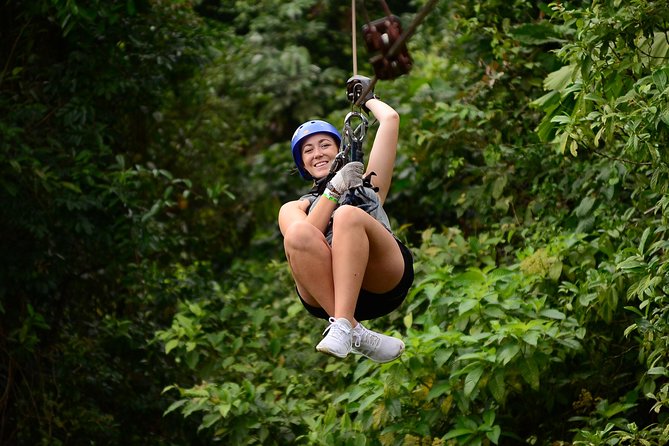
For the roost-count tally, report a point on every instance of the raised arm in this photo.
(384, 148)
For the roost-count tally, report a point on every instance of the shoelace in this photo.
(337, 330)
(372, 340)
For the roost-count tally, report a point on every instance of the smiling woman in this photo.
(317, 152)
(347, 264)
(309, 137)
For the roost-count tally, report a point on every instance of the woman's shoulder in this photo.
(311, 197)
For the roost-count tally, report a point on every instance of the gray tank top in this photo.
(363, 197)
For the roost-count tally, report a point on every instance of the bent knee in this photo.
(348, 215)
(302, 235)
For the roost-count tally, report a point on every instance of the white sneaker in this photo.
(376, 346)
(338, 340)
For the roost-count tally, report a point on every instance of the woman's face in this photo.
(318, 151)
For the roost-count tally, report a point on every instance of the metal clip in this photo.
(351, 141)
(356, 136)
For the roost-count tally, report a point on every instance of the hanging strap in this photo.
(354, 39)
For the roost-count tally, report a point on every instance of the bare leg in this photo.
(364, 254)
(310, 260)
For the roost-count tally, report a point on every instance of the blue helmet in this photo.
(307, 129)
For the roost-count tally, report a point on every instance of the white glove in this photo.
(348, 177)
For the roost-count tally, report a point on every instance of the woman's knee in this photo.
(301, 236)
(348, 215)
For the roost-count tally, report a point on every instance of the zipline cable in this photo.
(354, 42)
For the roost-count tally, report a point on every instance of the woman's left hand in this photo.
(348, 177)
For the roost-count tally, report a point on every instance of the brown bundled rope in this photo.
(398, 45)
(380, 35)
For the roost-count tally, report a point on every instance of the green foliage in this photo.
(143, 158)
(540, 303)
(477, 337)
(609, 99)
(88, 216)
(470, 129)
(259, 379)
(611, 95)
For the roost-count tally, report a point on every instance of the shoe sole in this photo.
(331, 353)
(355, 352)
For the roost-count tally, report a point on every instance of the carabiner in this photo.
(358, 134)
(350, 148)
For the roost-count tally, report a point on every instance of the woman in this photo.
(347, 264)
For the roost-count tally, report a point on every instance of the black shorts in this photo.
(373, 305)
